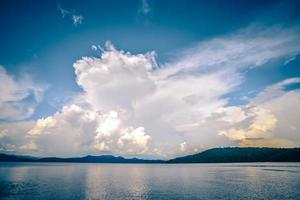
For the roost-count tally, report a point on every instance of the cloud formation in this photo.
(19, 97)
(76, 19)
(145, 8)
(131, 105)
(271, 118)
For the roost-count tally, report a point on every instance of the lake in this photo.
(149, 181)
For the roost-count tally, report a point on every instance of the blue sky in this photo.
(253, 46)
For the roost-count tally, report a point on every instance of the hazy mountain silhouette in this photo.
(215, 155)
(85, 159)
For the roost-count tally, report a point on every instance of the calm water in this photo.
(149, 181)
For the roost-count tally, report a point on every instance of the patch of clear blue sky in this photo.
(258, 78)
(37, 40)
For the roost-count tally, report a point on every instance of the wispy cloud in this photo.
(76, 19)
(144, 12)
(145, 7)
(19, 97)
(63, 12)
(290, 60)
(248, 48)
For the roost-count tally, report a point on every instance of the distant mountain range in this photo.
(215, 155)
(85, 159)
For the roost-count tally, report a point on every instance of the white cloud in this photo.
(113, 77)
(145, 8)
(63, 12)
(19, 97)
(94, 47)
(79, 131)
(183, 146)
(76, 18)
(67, 132)
(3, 133)
(260, 127)
(137, 138)
(272, 118)
(249, 48)
(289, 60)
(13, 136)
(130, 105)
(42, 125)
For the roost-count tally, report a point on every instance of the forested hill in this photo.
(240, 154)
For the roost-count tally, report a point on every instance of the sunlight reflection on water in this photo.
(149, 181)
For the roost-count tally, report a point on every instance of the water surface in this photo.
(149, 181)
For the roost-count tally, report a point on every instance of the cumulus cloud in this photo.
(13, 136)
(19, 97)
(271, 118)
(131, 105)
(183, 146)
(77, 131)
(134, 138)
(68, 132)
(113, 77)
(261, 126)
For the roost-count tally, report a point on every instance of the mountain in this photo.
(240, 154)
(98, 159)
(15, 158)
(216, 155)
(85, 159)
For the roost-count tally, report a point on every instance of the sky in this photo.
(148, 78)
